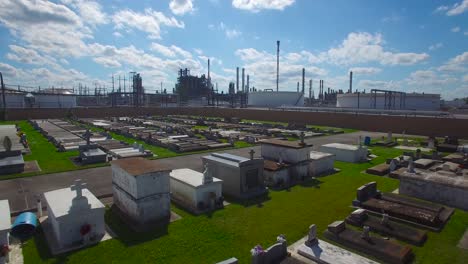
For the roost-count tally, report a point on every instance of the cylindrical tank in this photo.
(24, 226)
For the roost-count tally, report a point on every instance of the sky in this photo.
(411, 46)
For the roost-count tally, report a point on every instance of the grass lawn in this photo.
(45, 153)
(237, 228)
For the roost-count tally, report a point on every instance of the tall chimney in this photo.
(243, 78)
(350, 82)
(208, 69)
(237, 79)
(310, 89)
(297, 86)
(303, 80)
(277, 65)
(248, 87)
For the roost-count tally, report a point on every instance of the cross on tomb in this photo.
(78, 187)
(87, 136)
(252, 152)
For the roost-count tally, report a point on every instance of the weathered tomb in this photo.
(346, 152)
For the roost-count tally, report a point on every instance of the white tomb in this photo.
(194, 189)
(141, 190)
(5, 225)
(295, 153)
(321, 163)
(345, 152)
(75, 215)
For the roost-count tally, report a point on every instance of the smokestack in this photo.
(277, 65)
(350, 82)
(208, 69)
(237, 79)
(243, 78)
(297, 86)
(303, 80)
(310, 89)
(248, 87)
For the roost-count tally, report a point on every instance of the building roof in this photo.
(316, 155)
(228, 159)
(190, 177)
(5, 222)
(138, 166)
(59, 201)
(284, 143)
(440, 177)
(342, 146)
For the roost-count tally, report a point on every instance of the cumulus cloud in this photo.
(90, 11)
(363, 47)
(180, 7)
(229, 32)
(259, 5)
(455, 9)
(365, 70)
(150, 21)
(170, 51)
(458, 63)
(436, 46)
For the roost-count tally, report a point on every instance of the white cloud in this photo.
(457, 64)
(365, 70)
(29, 56)
(232, 33)
(107, 62)
(455, 9)
(455, 29)
(362, 47)
(393, 18)
(180, 7)
(436, 46)
(7, 70)
(117, 34)
(150, 21)
(258, 5)
(458, 8)
(170, 51)
(90, 11)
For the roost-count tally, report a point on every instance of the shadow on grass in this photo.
(128, 236)
(43, 249)
(313, 182)
(255, 201)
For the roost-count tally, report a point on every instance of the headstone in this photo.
(302, 137)
(431, 143)
(365, 233)
(252, 152)
(393, 165)
(7, 143)
(312, 236)
(411, 166)
(389, 136)
(207, 174)
(385, 219)
(87, 136)
(337, 227)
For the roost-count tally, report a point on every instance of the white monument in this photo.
(75, 215)
(5, 225)
(345, 152)
(198, 191)
(141, 190)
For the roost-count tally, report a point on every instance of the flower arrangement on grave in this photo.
(85, 229)
(4, 249)
(257, 250)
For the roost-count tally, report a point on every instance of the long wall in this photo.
(428, 126)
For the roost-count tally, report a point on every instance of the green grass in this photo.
(45, 153)
(201, 127)
(237, 228)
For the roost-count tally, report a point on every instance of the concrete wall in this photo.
(230, 175)
(366, 101)
(289, 155)
(69, 226)
(321, 166)
(427, 126)
(454, 196)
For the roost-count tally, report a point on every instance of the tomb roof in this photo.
(284, 143)
(273, 165)
(316, 155)
(190, 177)
(59, 201)
(342, 146)
(138, 166)
(440, 177)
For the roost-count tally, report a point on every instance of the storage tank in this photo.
(412, 101)
(275, 99)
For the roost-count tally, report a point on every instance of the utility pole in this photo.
(112, 82)
(277, 64)
(120, 87)
(161, 88)
(125, 89)
(3, 96)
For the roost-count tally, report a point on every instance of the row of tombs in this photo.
(142, 191)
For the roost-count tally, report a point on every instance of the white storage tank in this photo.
(275, 99)
(412, 101)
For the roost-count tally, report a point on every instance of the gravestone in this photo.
(411, 166)
(312, 236)
(389, 137)
(393, 165)
(272, 255)
(366, 192)
(365, 233)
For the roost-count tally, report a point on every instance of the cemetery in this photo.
(416, 215)
(11, 150)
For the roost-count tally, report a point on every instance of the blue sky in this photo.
(400, 45)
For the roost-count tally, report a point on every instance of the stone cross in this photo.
(78, 187)
(365, 233)
(393, 165)
(252, 152)
(312, 236)
(411, 166)
(87, 136)
(384, 220)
